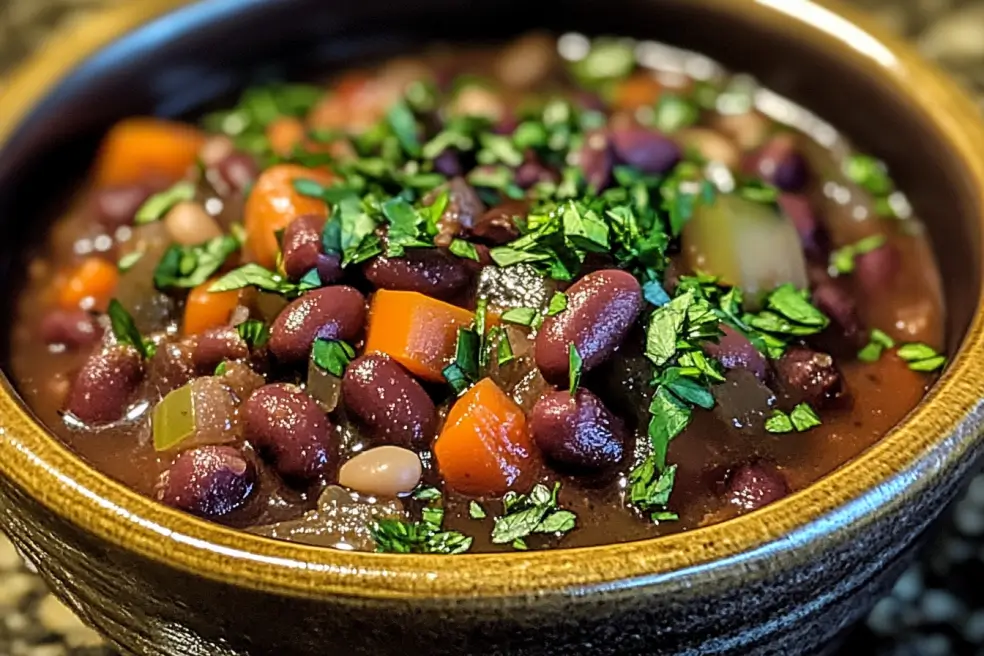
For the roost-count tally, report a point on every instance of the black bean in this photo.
(71, 328)
(498, 225)
(238, 171)
(337, 312)
(597, 160)
(601, 309)
(755, 484)
(877, 270)
(809, 375)
(734, 351)
(647, 150)
(116, 206)
(577, 433)
(387, 399)
(105, 384)
(288, 427)
(301, 245)
(208, 481)
(430, 271)
(217, 345)
(172, 366)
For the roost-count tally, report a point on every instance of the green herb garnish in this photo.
(253, 275)
(254, 332)
(425, 536)
(332, 355)
(877, 342)
(558, 303)
(184, 267)
(522, 316)
(155, 207)
(575, 369)
(842, 259)
(538, 512)
(801, 419)
(921, 357)
(129, 260)
(125, 330)
(475, 510)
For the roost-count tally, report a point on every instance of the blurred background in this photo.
(936, 609)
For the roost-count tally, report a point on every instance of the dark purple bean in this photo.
(463, 209)
(116, 206)
(238, 171)
(877, 270)
(812, 234)
(288, 427)
(172, 366)
(217, 345)
(756, 484)
(330, 268)
(577, 432)
(647, 150)
(209, 481)
(301, 245)
(429, 271)
(596, 160)
(337, 312)
(834, 299)
(780, 163)
(388, 400)
(71, 328)
(448, 163)
(809, 375)
(734, 351)
(105, 384)
(498, 225)
(601, 309)
(532, 172)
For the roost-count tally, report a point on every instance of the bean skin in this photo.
(71, 328)
(329, 268)
(596, 160)
(216, 345)
(238, 170)
(105, 384)
(209, 481)
(810, 376)
(171, 367)
(577, 432)
(337, 312)
(780, 163)
(647, 150)
(385, 471)
(734, 351)
(116, 206)
(756, 484)
(498, 225)
(388, 400)
(302, 245)
(287, 426)
(429, 271)
(601, 309)
(878, 269)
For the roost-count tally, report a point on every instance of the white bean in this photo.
(748, 130)
(215, 149)
(189, 224)
(526, 61)
(476, 100)
(712, 145)
(385, 471)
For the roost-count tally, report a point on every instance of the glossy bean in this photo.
(647, 150)
(189, 224)
(217, 345)
(337, 312)
(877, 270)
(238, 171)
(426, 270)
(809, 376)
(287, 426)
(70, 328)
(498, 225)
(734, 351)
(597, 160)
(208, 481)
(448, 163)
(601, 309)
(755, 484)
(387, 399)
(330, 268)
(116, 206)
(813, 236)
(532, 172)
(171, 366)
(105, 384)
(301, 245)
(834, 299)
(385, 471)
(462, 211)
(577, 433)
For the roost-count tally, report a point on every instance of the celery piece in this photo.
(174, 418)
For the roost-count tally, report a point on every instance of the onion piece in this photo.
(323, 386)
(199, 413)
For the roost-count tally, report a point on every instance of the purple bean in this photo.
(172, 366)
(834, 299)
(811, 232)
(878, 269)
(429, 271)
(780, 163)
(288, 427)
(105, 384)
(387, 399)
(577, 433)
(463, 209)
(337, 312)
(208, 481)
(330, 268)
(238, 171)
(756, 484)
(809, 376)
(217, 345)
(734, 351)
(532, 172)
(498, 225)
(601, 309)
(116, 206)
(71, 328)
(596, 160)
(301, 245)
(448, 163)
(647, 150)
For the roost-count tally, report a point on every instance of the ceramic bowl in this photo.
(786, 579)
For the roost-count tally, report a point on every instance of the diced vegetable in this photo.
(138, 148)
(205, 309)
(323, 386)
(273, 203)
(174, 419)
(284, 134)
(417, 331)
(485, 448)
(199, 413)
(89, 285)
(639, 90)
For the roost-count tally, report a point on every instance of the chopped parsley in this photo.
(254, 332)
(527, 514)
(558, 303)
(424, 536)
(801, 419)
(522, 316)
(129, 260)
(842, 259)
(475, 510)
(155, 207)
(877, 343)
(921, 357)
(254, 275)
(126, 332)
(576, 365)
(185, 267)
(674, 112)
(332, 355)
(650, 486)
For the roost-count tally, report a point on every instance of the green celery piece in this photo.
(174, 418)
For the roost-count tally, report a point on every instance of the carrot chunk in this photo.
(273, 203)
(285, 134)
(205, 309)
(138, 148)
(417, 331)
(484, 448)
(89, 286)
(640, 90)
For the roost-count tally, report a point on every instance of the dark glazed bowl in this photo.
(786, 579)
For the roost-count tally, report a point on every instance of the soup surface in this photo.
(557, 293)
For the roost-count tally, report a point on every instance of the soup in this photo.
(558, 293)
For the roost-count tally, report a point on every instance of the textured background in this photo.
(936, 609)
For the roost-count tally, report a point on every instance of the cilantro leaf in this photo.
(921, 357)
(558, 303)
(332, 355)
(254, 332)
(475, 510)
(804, 417)
(877, 342)
(523, 316)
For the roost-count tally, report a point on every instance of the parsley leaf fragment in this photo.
(332, 355)
(536, 512)
(155, 207)
(125, 330)
(921, 357)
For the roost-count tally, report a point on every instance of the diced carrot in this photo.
(417, 331)
(640, 90)
(284, 134)
(337, 110)
(89, 286)
(205, 309)
(484, 448)
(138, 148)
(273, 203)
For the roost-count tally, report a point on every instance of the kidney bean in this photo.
(105, 384)
(577, 432)
(647, 150)
(711, 145)
(238, 171)
(217, 345)
(734, 351)
(812, 234)
(597, 160)
(833, 299)
(241, 379)
(463, 209)
(208, 481)
(877, 270)
(71, 328)
(337, 312)
(448, 163)
(809, 375)
(756, 484)
(116, 206)
(287, 426)
(301, 245)
(532, 172)
(498, 225)
(601, 308)
(388, 400)
(172, 366)
(329, 268)
(385, 471)
(429, 271)
(780, 163)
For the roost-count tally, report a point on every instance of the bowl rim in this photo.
(935, 436)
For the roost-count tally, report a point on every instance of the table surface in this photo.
(936, 608)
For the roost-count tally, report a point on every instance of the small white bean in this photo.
(384, 471)
(712, 145)
(526, 61)
(189, 224)
(476, 100)
(748, 130)
(215, 149)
